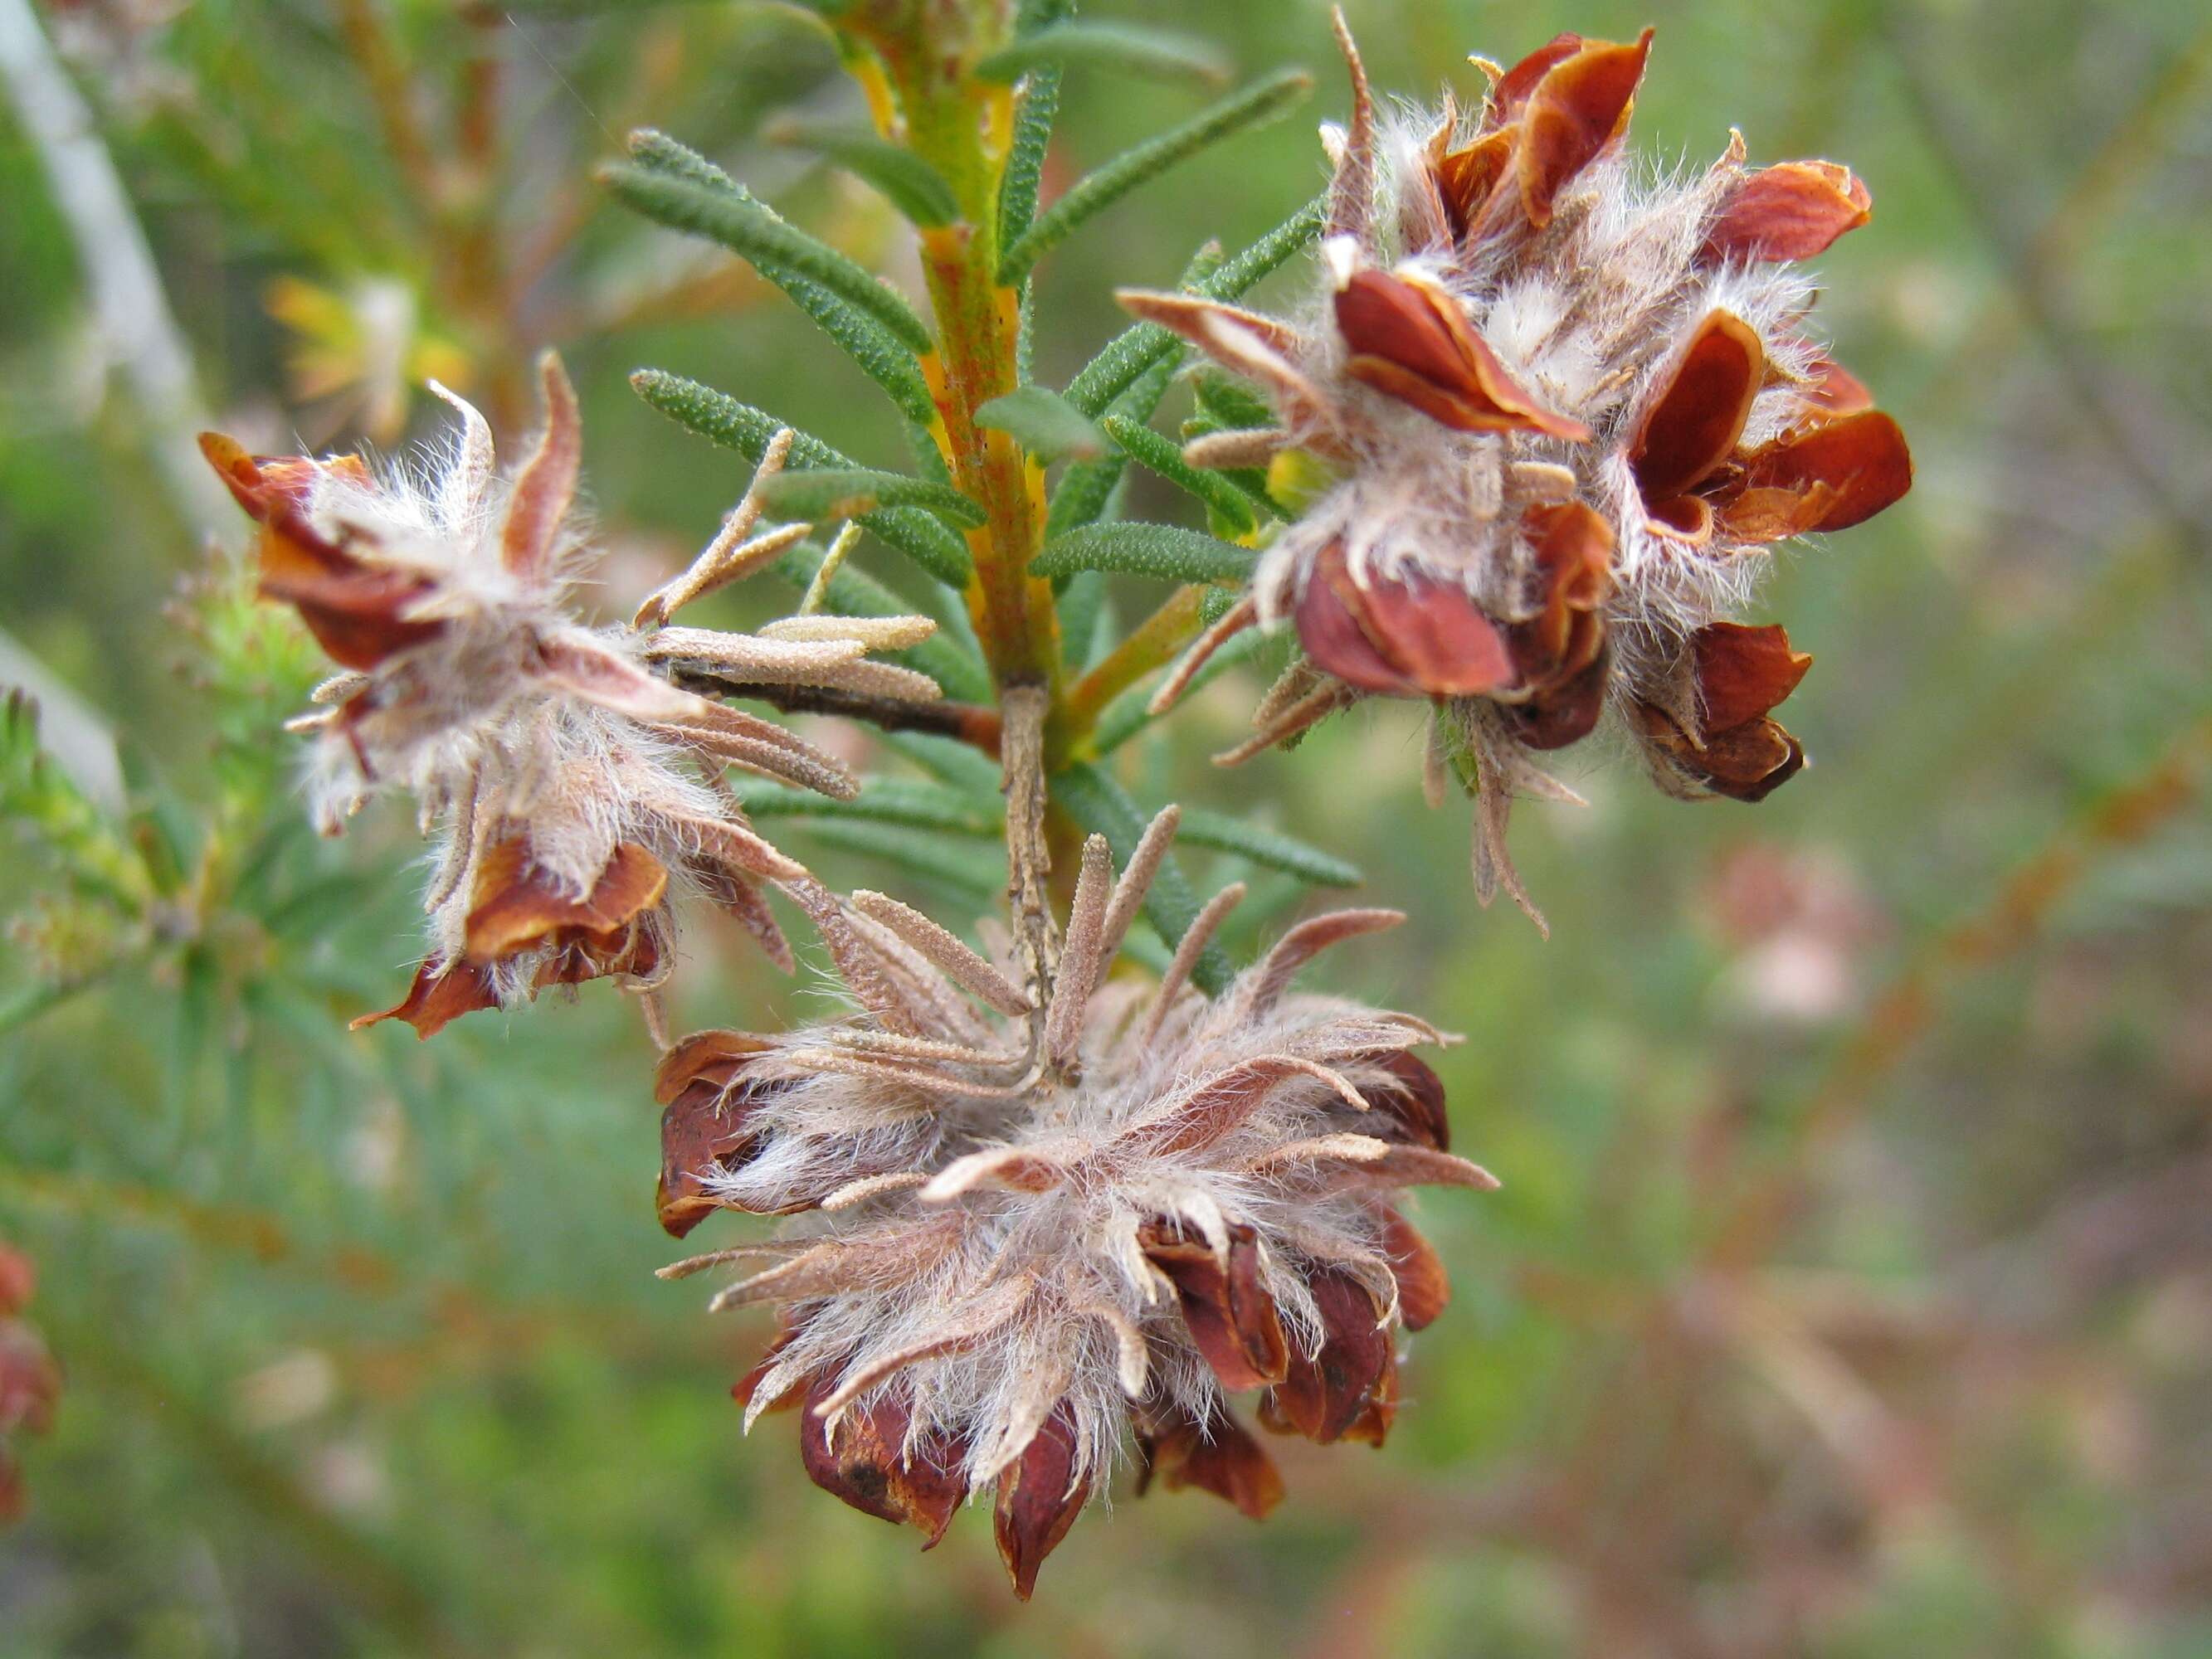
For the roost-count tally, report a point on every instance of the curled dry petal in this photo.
(1226, 1306)
(1220, 1456)
(1742, 671)
(702, 1124)
(1413, 1100)
(1409, 635)
(1040, 1495)
(546, 487)
(518, 904)
(1424, 1287)
(1826, 476)
(1792, 211)
(1579, 107)
(860, 1457)
(1700, 408)
(1410, 341)
(1324, 1396)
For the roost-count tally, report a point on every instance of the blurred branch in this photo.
(129, 304)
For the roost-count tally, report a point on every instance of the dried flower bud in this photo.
(1033, 1234)
(1569, 406)
(576, 787)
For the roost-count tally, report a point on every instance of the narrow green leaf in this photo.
(752, 233)
(1044, 423)
(960, 672)
(909, 801)
(1136, 348)
(1229, 405)
(1163, 550)
(908, 183)
(1148, 52)
(820, 492)
(1128, 714)
(967, 769)
(961, 867)
(880, 353)
(1152, 449)
(720, 418)
(1099, 189)
(1266, 847)
(1100, 804)
(1036, 109)
(1086, 488)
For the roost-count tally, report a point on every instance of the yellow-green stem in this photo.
(1153, 644)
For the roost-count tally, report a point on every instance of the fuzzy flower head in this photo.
(1567, 406)
(1042, 1226)
(573, 786)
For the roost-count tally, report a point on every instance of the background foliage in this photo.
(1850, 1291)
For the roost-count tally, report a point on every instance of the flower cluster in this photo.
(30, 1382)
(1567, 406)
(1038, 1229)
(572, 782)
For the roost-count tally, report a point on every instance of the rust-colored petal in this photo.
(1410, 341)
(546, 485)
(703, 1129)
(1747, 763)
(1324, 1396)
(1514, 86)
(1579, 107)
(1039, 1498)
(1743, 671)
(1835, 390)
(710, 1057)
(1465, 177)
(1700, 410)
(1226, 1307)
(353, 607)
(861, 1461)
(1412, 1102)
(1403, 635)
(1424, 1287)
(1859, 463)
(1573, 547)
(438, 996)
(1792, 211)
(1567, 711)
(518, 905)
(1222, 1457)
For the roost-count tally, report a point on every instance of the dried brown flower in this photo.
(1039, 1227)
(574, 785)
(1568, 406)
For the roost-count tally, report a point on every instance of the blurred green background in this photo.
(1851, 1289)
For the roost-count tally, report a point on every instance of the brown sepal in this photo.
(1573, 547)
(1222, 1457)
(1579, 107)
(1792, 211)
(1406, 636)
(1424, 1287)
(863, 1463)
(1410, 341)
(1324, 1397)
(1038, 1501)
(1228, 1311)
(1566, 712)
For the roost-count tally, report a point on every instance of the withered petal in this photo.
(1835, 389)
(1323, 1397)
(1579, 107)
(1413, 1100)
(1516, 83)
(862, 1463)
(438, 996)
(1699, 410)
(1412, 342)
(703, 1132)
(1228, 1311)
(1038, 1501)
(713, 1057)
(1861, 460)
(1747, 763)
(518, 905)
(1222, 1457)
(1465, 177)
(1424, 1287)
(1791, 211)
(1743, 671)
(1568, 711)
